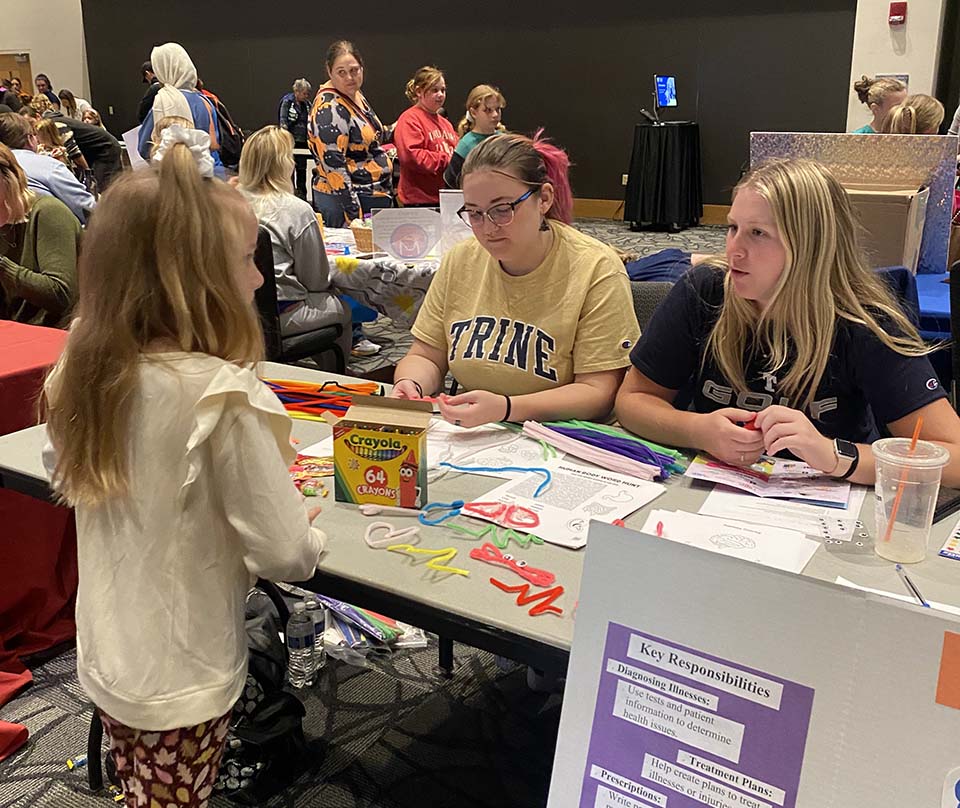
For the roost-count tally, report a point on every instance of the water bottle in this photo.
(316, 612)
(301, 637)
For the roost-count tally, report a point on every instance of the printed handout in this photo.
(773, 547)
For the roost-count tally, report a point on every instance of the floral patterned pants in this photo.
(173, 768)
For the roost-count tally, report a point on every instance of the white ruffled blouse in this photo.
(164, 572)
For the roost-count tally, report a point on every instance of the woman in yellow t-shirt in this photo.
(534, 319)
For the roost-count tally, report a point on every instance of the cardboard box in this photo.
(893, 219)
(380, 452)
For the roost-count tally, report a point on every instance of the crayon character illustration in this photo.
(408, 490)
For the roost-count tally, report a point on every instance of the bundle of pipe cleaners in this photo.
(608, 447)
(307, 400)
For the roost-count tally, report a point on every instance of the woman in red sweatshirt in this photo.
(425, 140)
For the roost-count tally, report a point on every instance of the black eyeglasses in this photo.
(500, 215)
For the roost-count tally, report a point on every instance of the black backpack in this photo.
(231, 136)
(266, 750)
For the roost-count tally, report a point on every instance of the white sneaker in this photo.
(365, 348)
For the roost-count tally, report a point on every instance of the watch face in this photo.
(847, 449)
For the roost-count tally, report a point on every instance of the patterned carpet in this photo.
(707, 239)
(395, 735)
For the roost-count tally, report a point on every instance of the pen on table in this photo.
(911, 586)
(659, 530)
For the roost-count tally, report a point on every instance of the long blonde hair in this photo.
(266, 162)
(916, 115)
(825, 279)
(159, 270)
(476, 98)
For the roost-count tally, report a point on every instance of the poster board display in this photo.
(703, 680)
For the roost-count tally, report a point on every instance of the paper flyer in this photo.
(820, 521)
(677, 727)
(576, 494)
(783, 549)
(773, 477)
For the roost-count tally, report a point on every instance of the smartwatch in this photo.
(848, 456)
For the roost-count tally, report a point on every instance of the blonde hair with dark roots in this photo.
(159, 271)
(873, 91)
(423, 79)
(478, 97)
(266, 162)
(825, 279)
(916, 115)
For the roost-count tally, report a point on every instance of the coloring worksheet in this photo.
(784, 549)
(561, 514)
(489, 445)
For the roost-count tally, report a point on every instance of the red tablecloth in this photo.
(38, 541)
(26, 353)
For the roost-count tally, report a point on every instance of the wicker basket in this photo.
(364, 238)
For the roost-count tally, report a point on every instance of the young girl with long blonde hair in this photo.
(789, 343)
(175, 457)
(481, 119)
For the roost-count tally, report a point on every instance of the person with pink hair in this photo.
(533, 318)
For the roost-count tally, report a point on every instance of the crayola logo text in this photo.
(375, 443)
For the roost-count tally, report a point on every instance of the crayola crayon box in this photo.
(380, 452)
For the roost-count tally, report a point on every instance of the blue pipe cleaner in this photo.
(544, 484)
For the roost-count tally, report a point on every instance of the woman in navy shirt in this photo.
(789, 344)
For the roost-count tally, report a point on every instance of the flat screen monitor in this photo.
(666, 87)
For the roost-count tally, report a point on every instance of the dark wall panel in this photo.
(581, 71)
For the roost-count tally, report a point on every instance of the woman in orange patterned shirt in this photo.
(346, 138)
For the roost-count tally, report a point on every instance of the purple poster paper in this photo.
(675, 727)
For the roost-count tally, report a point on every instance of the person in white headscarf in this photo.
(178, 96)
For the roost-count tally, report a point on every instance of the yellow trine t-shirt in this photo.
(514, 335)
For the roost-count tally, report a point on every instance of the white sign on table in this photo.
(407, 234)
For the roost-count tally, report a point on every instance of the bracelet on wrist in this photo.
(506, 416)
(414, 382)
